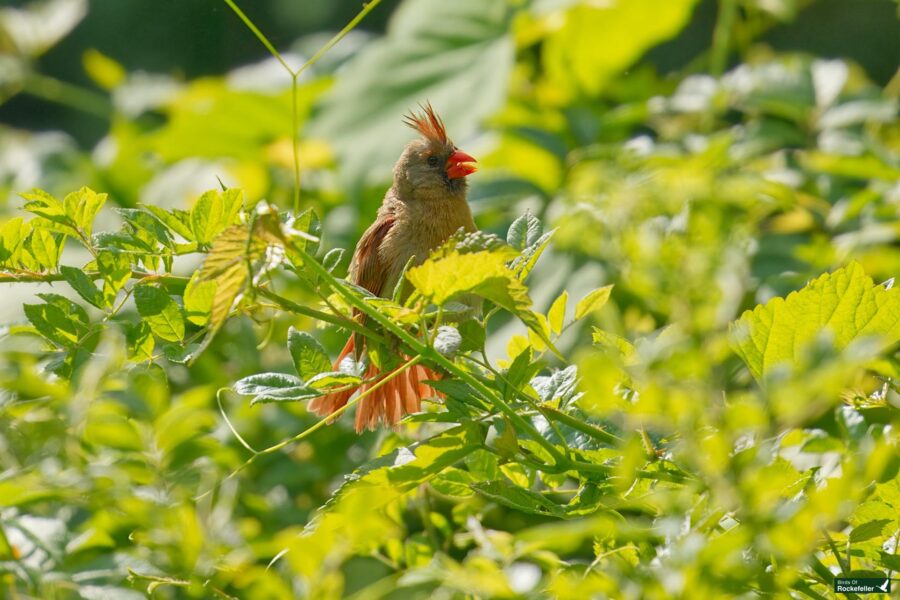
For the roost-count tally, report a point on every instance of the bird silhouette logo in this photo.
(884, 587)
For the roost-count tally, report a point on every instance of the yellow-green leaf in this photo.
(198, 299)
(556, 316)
(592, 301)
(484, 273)
(847, 304)
(162, 314)
(82, 207)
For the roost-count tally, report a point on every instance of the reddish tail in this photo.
(398, 397)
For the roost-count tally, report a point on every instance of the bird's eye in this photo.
(433, 161)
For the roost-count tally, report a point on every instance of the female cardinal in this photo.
(425, 206)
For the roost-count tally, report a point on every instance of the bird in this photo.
(425, 205)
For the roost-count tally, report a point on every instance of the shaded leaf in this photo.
(307, 353)
(83, 284)
(518, 498)
(524, 231)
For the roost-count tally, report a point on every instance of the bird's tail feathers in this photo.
(401, 395)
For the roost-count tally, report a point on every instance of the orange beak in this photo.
(459, 164)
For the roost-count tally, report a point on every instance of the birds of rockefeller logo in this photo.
(862, 585)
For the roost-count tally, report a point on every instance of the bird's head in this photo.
(431, 167)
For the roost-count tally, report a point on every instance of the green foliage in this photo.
(845, 304)
(684, 385)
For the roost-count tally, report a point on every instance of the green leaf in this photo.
(82, 284)
(592, 301)
(598, 40)
(146, 227)
(435, 50)
(525, 263)
(473, 335)
(332, 259)
(869, 530)
(522, 369)
(524, 231)
(178, 221)
(309, 357)
(483, 273)
(615, 343)
(162, 314)
(12, 234)
(139, 339)
(454, 482)
(59, 319)
(846, 303)
(556, 316)
(82, 207)
(115, 268)
(274, 387)
(333, 379)
(44, 205)
(306, 222)
(561, 385)
(228, 264)
(198, 299)
(43, 248)
(213, 212)
(518, 498)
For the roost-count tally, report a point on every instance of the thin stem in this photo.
(299, 309)
(586, 428)
(295, 124)
(331, 417)
(295, 74)
(32, 277)
(67, 94)
(728, 10)
(309, 430)
(339, 36)
(259, 35)
(228, 421)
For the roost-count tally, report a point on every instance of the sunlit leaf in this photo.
(846, 304)
(82, 207)
(213, 212)
(198, 299)
(162, 314)
(59, 319)
(556, 316)
(592, 301)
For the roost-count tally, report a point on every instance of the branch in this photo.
(32, 277)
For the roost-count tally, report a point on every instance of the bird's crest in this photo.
(428, 123)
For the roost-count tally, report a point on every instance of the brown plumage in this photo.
(425, 206)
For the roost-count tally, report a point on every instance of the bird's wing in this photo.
(369, 270)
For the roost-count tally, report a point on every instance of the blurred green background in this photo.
(702, 156)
